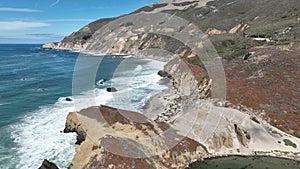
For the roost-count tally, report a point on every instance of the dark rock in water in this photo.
(164, 74)
(101, 82)
(111, 89)
(48, 165)
(68, 99)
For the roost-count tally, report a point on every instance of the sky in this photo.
(41, 21)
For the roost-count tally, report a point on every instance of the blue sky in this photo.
(40, 21)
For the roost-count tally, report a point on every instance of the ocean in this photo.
(34, 85)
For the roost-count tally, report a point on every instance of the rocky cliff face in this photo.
(235, 29)
(184, 80)
(90, 39)
(77, 40)
(122, 139)
(113, 138)
(258, 43)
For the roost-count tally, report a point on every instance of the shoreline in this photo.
(141, 55)
(167, 96)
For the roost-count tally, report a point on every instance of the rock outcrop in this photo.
(48, 165)
(77, 40)
(264, 82)
(222, 140)
(122, 139)
(73, 125)
(242, 135)
(111, 89)
(184, 79)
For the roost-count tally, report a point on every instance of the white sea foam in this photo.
(38, 136)
(128, 56)
(1, 104)
(137, 87)
(92, 98)
(100, 82)
(139, 68)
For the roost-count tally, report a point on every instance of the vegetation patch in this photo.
(288, 142)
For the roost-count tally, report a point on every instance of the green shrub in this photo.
(288, 142)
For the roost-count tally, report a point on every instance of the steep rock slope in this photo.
(121, 139)
(258, 42)
(78, 41)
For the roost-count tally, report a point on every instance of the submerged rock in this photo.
(41, 89)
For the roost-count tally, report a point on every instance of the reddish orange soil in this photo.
(269, 80)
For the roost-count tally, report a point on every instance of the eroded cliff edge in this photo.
(255, 57)
(256, 40)
(178, 127)
(123, 139)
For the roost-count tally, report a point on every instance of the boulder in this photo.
(164, 74)
(68, 99)
(111, 89)
(48, 165)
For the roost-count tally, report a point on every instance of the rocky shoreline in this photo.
(200, 126)
(171, 102)
(141, 142)
(167, 111)
(172, 109)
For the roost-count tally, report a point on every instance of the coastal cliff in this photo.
(247, 35)
(257, 42)
(123, 139)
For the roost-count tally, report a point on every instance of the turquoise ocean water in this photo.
(34, 84)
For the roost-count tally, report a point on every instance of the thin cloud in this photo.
(55, 3)
(45, 35)
(20, 25)
(69, 20)
(18, 10)
(40, 34)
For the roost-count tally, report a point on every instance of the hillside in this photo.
(257, 42)
(231, 26)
